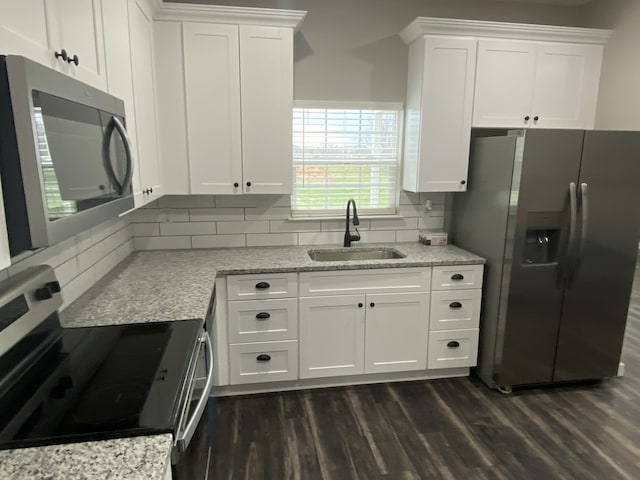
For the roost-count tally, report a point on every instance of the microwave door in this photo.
(71, 152)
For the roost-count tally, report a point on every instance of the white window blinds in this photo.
(343, 153)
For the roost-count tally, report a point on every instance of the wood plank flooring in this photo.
(442, 429)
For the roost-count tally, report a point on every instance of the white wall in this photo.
(207, 221)
(350, 49)
(619, 96)
(82, 260)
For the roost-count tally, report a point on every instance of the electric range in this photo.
(60, 385)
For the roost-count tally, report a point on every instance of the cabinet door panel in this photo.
(566, 85)
(331, 336)
(141, 36)
(25, 30)
(397, 331)
(212, 89)
(266, 70)
(447, 105)
(504, 83)
(79, 31)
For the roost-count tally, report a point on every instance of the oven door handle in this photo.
(192, 424)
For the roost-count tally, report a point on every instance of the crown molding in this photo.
(189, 12)
(519, 31)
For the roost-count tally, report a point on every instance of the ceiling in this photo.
(570, 3)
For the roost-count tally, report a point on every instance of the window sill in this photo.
(342, 217)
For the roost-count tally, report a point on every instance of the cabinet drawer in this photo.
(263, 320)
(389, 280)
(453, 309)
(272, 285)
(456, 276)
(263, 362)
(453, 348)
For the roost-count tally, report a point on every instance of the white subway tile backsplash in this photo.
(216, 214)
(187, 201)
(67, 271)
(271, 239)
(187, 228)
(320, 238)
(278, 226)
(408, 198)
(395, 224)
(146, 229)
(339, 225)
(267, 213)
(407, 235)
(219, 241)
(253, 200)
(264, 220)
(373, 236)
(431, 223)
(160, 215)
(243, 227)
(161, 243)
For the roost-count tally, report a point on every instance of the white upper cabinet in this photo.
(439, 109)
(237, 99)
(266, 85)
(468, 73)
(149, 173)
(63, 34)
(536, 84)
(212, 93)
(504, 83)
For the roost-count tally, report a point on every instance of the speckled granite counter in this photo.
(177, 284)
(137, 458)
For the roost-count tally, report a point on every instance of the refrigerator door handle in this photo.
(584, 207)
(573, 210)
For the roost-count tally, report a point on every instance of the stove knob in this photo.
(43, 293)
(54, 286)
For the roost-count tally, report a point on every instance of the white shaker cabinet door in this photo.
(566, 85)
(78, 29)
(212, 90)
(397, 332)
(266, 83)
(331, 336)
(143, 75)
(504, 83)
(25, 30)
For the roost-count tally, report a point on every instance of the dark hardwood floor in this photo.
(442, 429)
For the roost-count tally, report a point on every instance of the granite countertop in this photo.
(136, 458)
(177, 284)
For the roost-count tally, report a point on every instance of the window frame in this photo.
(354, 105)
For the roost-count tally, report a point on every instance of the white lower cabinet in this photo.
(263, 362)
(326, 324)
(332, 336)
(397, 328)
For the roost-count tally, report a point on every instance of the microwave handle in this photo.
(117, 124)
(184, 439)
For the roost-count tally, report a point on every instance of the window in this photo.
(345, 151)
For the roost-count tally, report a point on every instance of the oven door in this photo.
(201, 371)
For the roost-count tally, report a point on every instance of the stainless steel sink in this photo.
(342, 255)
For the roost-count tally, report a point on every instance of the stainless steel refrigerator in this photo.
(556, 213)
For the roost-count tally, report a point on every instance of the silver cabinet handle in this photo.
(192, 424)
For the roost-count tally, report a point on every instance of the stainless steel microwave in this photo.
(65, 158)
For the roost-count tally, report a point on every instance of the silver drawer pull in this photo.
(263, 316)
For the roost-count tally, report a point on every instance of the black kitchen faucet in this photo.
(348, 238)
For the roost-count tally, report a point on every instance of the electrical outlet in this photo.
(428, 205)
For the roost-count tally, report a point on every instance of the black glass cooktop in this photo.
(95, 383)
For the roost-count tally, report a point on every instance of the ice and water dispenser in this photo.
(542, 238)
